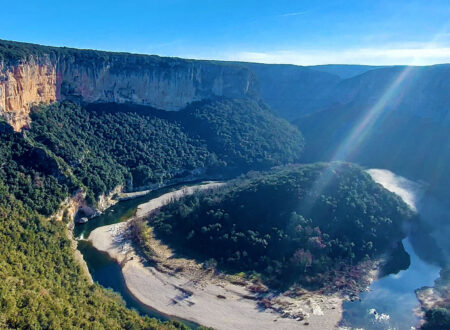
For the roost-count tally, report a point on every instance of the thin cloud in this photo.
(293, 14)
(374, 56)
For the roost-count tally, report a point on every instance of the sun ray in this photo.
(363, 128)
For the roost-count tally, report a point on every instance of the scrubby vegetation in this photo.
(12, 52)
(294, 224)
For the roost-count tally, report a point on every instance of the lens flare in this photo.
(362, 129)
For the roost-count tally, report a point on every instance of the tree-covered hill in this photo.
(243, 133)
(298, 223)
(109, 145)
(106, 149)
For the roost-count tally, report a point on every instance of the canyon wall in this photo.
(51, 74)
(22, 86)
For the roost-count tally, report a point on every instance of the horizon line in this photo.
(227, 58)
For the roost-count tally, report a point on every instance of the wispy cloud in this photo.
(374, 56)
(297, 13)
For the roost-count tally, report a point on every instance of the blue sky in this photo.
(278, 31)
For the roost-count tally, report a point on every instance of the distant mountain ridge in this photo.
(345, 71)
(419, 91)
(291, 90)
(295, 91)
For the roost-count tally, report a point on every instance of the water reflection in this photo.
(105, 270)
(391, 302)
(108, 274)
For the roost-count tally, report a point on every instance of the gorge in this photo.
(82, 130)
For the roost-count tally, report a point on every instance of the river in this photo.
(105, 270)
(391, 302)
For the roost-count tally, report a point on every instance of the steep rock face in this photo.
(106, 201)
(22, 86)
(168, 84)
(46, 74)
(71, 205)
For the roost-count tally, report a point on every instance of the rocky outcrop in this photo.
(22, 86)
(70, 207)
(77, 203)
(46, 74)
(66, 212)
(106, 201)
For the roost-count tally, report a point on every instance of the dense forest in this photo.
(108, 149)
(30, 174)
(293, 224)
(69, 147)
(42, 286)
(243, 133)
(107, 145)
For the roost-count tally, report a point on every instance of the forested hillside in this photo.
(294, 224)
(68, 148)
(105, 149)
(110, 145)
(244, 134)
(42, 286)
(30, 174)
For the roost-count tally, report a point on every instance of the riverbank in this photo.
(177, 286)
(146, 209)
(105, 239)
(183, 288)
(76, 253)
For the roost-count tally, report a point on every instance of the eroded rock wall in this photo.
(89, 76)
(24, 85)
(168, 86)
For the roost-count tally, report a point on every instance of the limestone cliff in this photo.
(30, 74)
(77, 202)
(22, 86)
